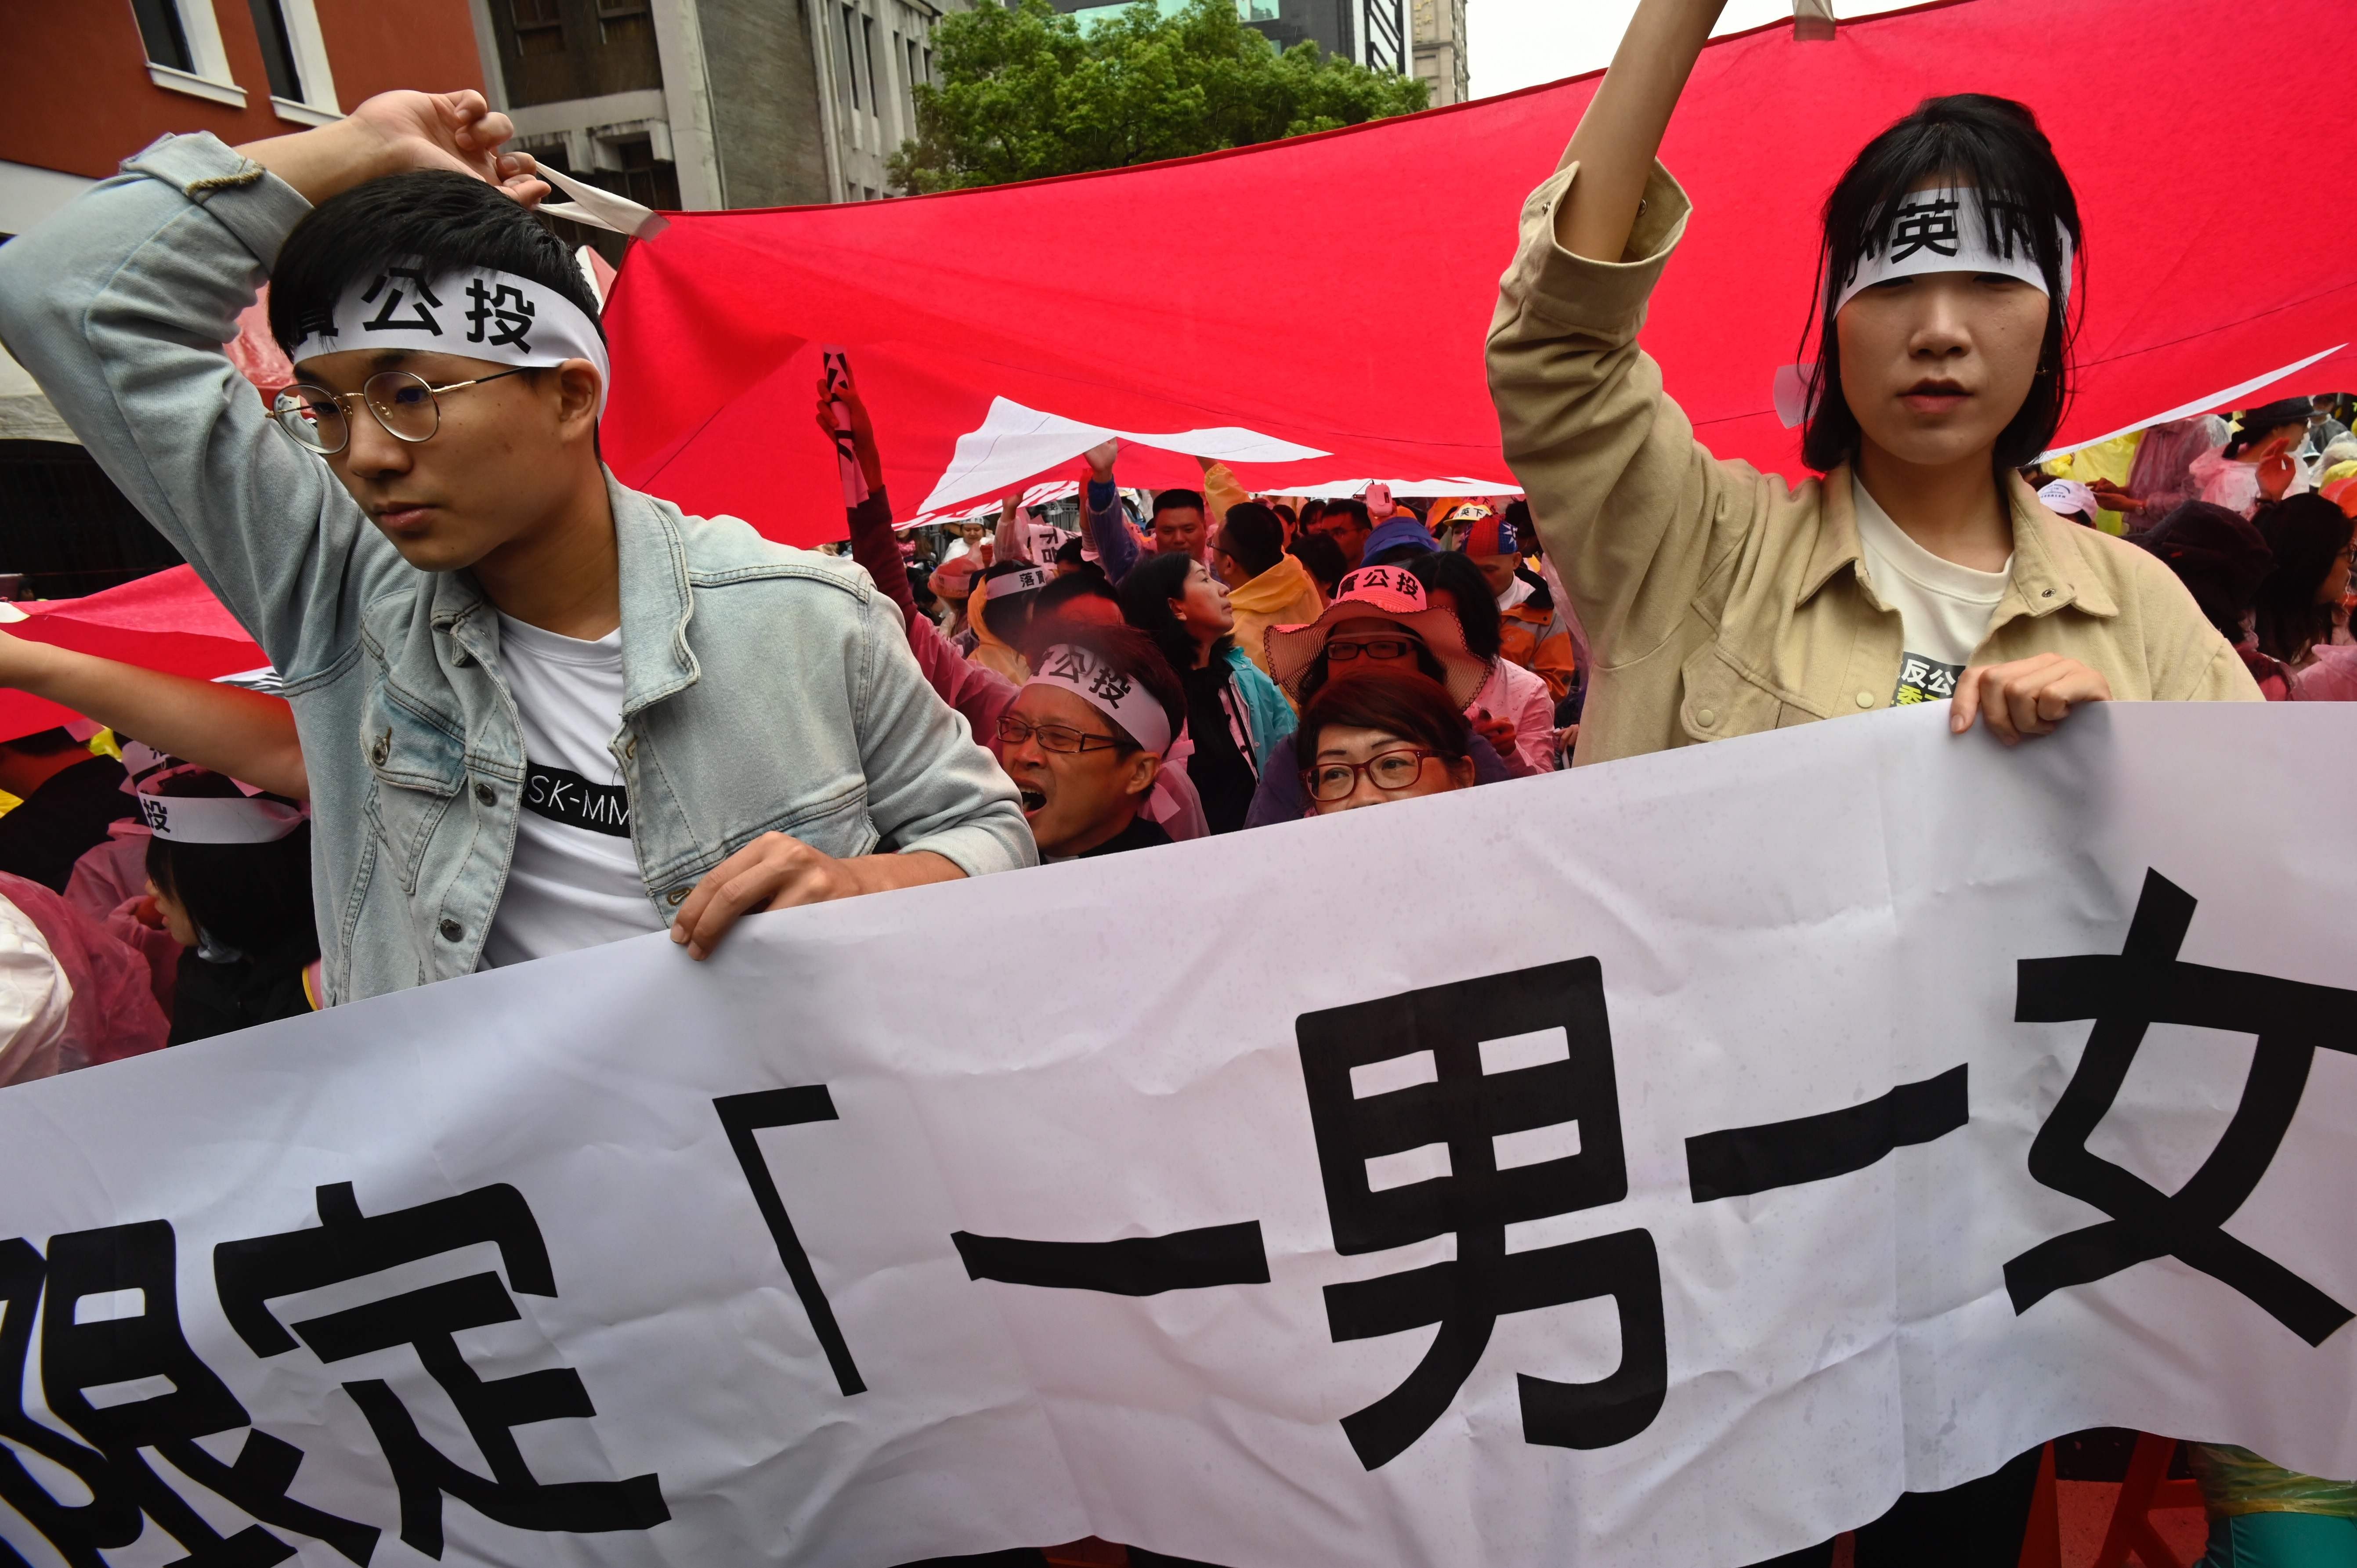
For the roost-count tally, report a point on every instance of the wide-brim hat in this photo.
(1384, 593)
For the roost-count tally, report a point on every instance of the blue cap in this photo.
(1397, 531)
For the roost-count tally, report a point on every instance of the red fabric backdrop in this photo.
(1335, 290)
(168, 621)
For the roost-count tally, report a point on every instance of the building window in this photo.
(627, 23)
(278, 49)
(160, 30)
(868, 37)
(183, 44)
(539, 28)
(850, 73)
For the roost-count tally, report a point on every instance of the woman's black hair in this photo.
(2307, 533)
(1454, 573)
(1320, 557)
(2263, 421)
(1146, 596)
(1981, 141)
(1413, 707)
(436, 221)
(2217, 555)
(255, 897)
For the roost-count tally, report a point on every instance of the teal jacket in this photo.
(766, 689)
(1268, 718)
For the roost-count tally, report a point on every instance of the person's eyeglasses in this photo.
(403, 403)
(1372, 648)
(1390, 772)
(1012, 731)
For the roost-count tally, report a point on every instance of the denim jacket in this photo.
(765, 688)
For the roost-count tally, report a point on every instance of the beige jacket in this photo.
(1720, 601)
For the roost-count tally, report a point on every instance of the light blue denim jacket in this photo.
(765, 688)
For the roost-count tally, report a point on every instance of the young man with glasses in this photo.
(539, 710)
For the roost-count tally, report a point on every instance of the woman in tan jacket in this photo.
(1719, 600)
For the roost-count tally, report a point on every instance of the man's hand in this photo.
(2029, 696)
(394, 133)
(775, 872)
(2114, 498)
(1100, 460)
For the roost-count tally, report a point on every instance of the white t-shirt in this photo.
(1944, 609)
(574, 880)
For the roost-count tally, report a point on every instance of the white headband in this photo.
(1021, 581)
(1117, 696)
(214, 818)
(1947, 232)
(474, 312)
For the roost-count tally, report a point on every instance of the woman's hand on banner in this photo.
(2027, 697)
(776, 872)
(394, 133)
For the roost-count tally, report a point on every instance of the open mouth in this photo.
(1034, 803)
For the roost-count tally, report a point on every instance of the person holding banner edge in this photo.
(1720, 602)
(449, 530)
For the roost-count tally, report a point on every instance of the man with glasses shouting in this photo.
(539, 710)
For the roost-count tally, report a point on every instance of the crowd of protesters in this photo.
(533, 710)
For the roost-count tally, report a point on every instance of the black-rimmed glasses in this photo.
(1012, 731)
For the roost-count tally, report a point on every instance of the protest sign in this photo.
(1666, 1162)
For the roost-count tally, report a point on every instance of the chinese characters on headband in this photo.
(395, 285)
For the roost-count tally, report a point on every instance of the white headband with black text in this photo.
(1947, 232)
(1117, 696)
(474, 312)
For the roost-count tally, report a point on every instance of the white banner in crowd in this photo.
(1665, 1163)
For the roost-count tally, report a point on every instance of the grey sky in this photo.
(1518, 43)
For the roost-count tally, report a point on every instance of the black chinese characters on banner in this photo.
(128, 1380)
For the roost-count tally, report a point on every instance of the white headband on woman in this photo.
(1117, 696)
(1947, 232)
(473, 311)
(213, 818)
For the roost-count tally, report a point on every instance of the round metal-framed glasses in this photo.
(403, 403)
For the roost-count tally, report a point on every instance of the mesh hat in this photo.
(1385, 592)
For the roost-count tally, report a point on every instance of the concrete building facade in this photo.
(712, 103)
(1441, 63)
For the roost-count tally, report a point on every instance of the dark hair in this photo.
(1067, 553)
(255, 897)
(1286, 513)
(1176, 501)
(1017, 605)
(2305, 533)
(1412, 706)
(1526, 533)
(1351, 506)
(436, 220)
(1146, 596)
(1322, 556)
(1990, 143)
(1253, 536)
(2219, 556)
(1311, 511)
(1134, 654)
(1087, 582)
(2259, 423)
(52, 742)
(1450, 572)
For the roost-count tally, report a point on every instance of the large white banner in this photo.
(1665, 1163)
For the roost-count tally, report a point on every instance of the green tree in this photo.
(1024, 93)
